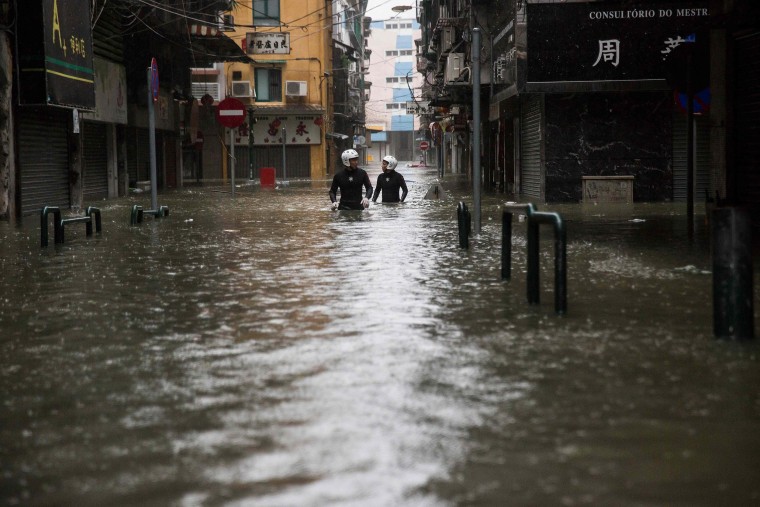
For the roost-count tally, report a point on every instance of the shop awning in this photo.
(304, 109)
(209, 45)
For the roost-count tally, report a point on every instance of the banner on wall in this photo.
(268, 130)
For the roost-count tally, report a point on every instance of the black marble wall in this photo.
(610, 134)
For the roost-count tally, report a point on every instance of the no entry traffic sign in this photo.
(424, 146)
(154, 79)
(230, 113)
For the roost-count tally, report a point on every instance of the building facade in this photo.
(349, 87)
(75, 105)
(605, 99)
(391, 110)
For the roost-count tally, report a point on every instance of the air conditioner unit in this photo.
(295, 88)
(454, 66)
(241, 89)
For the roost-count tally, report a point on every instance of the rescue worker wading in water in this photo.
(390, 182)
(350, 182)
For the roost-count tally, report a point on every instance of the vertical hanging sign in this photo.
(55, 60)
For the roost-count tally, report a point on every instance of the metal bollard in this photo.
(136, 216)
(464, 221)
(733, 315)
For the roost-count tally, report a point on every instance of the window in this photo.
(402, 68)
(391, 105)
(266, 12)
(268, 85)
(392, 52)
(391, 26)
(405, 52)
(402, 95)
(404, 42)
(402, 122)
(391, 80)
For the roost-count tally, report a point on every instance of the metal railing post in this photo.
(535, 219)
(463, 221)
(56, 211)
(506, 245)
(533, 264)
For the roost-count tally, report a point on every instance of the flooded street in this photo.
(266, 351)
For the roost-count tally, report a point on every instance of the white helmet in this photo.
(392, 162)
(348, 155)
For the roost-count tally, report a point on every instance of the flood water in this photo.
(266, 351)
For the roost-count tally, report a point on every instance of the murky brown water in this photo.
(267, 351)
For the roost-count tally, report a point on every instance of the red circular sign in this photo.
(230, 113)
(424, 145)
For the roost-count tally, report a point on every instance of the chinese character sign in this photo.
(267, 131)
(609, 41)
(609, 51)
(268, 43)
(55, 54)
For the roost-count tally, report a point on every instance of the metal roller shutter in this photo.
(95, 159)
(531, 147)
(298, 161)
(43, 159)
(701, 158)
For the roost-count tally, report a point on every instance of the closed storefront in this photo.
(95, 161)
(297, 160)
(43, 158)
(138, 156)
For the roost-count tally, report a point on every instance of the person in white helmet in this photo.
(390, 182)
(350, 182)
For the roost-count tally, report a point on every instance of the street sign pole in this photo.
(476, 169)
(230, 113)
(284, 159)
(232, 160)
(152, 93)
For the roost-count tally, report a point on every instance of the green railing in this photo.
(59, 224)
(137, 214)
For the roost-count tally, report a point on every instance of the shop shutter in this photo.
(701, 158)
(531, 147)
(298, 161)
(95, 160)
(43, 159)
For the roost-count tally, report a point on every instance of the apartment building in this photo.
(391, 119)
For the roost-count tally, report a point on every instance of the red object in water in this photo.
(266, 177)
